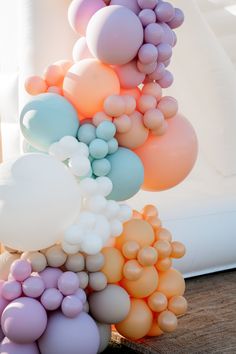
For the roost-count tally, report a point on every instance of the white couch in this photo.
(201, 212)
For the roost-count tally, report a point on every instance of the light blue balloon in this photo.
(47, 118)
(127, 174)
(106, 130)
(86, 133)
(112, 146)
(98, 149)
(101, 167)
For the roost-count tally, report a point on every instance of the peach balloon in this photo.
(114, 262)
(137, 215)
(54, 75)
(114, 106)
(162, 130)
(167, 321)
(99, 117)
(178, 250)
(130, 104)
(123, 123)
(132, 270)
(168, 159)
(147, 256)
(65, 65)
(135, 92)
(171, 283)
(35, 85)
(153, 89)
(163, 247)
(163, 234)
(153, 119)
(138, 322)
(164, 264)
(169, 106)
(178, 305)
(144, 286)
(155, 222)
(136, 230)
(155, 330)
(146, 102)
(149, 211)
(130, 249)
(157, 302)
(88, 83)
(136, 136)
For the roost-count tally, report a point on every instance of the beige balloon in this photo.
(94, 263)
(56, 257)
(105, 336)
(37, 260)
(97, 281)
(83, 279)
(75, 262)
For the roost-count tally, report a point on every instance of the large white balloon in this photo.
(39, 200)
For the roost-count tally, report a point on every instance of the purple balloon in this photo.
(24, 320)
(167, 62)
(71, 306)
(11, 290)
(177, 20)
(131, 4)
(20, 269)
(147, 16)
(164, 52)
(153, 33)
(158, 73)
(68, 283)
(167, 80)
(51, 299)
(33, 286)
(175, 38)
(50, 277)
(147, 4)
(78, 335)
(80, 293)
(168, 34)
(8, 347)
(165, 12)
(147, 68)
(147, 53)
(129, 75)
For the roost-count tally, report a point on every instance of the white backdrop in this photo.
(202, 211)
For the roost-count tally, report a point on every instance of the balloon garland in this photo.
(97, 130)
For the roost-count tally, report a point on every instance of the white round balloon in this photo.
(39, 200)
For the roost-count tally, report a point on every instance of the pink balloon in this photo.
(11, 290)
(51, 299)
(131, 4)
(147, 16)
(81, 11)
(70, 335)
(8, 347)
(50, 277)
(71, 306)
(129, 75)
(33, 286)
(20, 270)
(68, 283)
(102, 38)
(81, 50)
(24, 320)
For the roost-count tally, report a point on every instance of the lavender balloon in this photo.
(147, 16)
(147, 4)
(20, 270)
(165, 12)
(78, 335)
(147, 53)
(71, 306)
(11, 290)
(177, 20)
(50, 277)
(33, 286)
(51, 299)
(8, 347)
(131, 4)
(167, 80)
(68, 283)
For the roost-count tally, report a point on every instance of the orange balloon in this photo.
(35, 85)
(147, 256)
(136, 230)
(138, 322)
(144, 286)
(178, 305)
(167, 321)
(155, 330)
(157, 302)
(132, 270)
(88, 83)
(149, 211)
(155, 222)
(54, 75)
(137, 215)
(163, 247)
(130, 249)
(163, 234)
(113, 267)
(171, 283)
(136, 135)
(164, 264)
(169, 158)
(153, 89)
(178, 250)
(135, 92)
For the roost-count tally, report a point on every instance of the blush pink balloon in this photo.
(20, 270)
(33, 286)
(129, 75)
(169, 158)
(81, 11)
(11, 290)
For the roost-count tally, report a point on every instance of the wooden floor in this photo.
(208, 327)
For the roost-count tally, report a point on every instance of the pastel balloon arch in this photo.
(97, 129)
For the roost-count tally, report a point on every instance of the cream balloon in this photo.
(39, 199)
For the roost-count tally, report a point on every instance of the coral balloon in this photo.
(136, 135)
(138, 322)
(80, 12)
(114, 262)
(171, 283)
(88, 83)
(144, 286)
(168, 159)
(102, 38)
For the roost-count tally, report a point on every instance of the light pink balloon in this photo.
(50, 277)
(80, 50)
(8, 347)
(80, 12)
(129, 75)
(131, 4)
(11, 290)
(114, 35)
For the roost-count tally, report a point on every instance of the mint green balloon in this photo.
(127, 174)
(47, 118)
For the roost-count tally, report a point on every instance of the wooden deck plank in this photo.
(208, 327)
